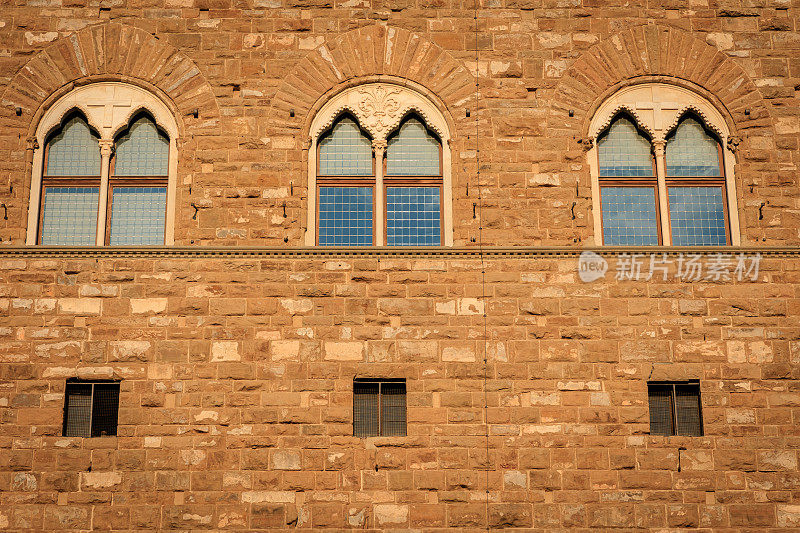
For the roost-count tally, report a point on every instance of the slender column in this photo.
(659, 147)
(379, 146)
(106, 149)
(35, 157)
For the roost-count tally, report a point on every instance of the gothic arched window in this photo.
(106, 172)
(378, 166)
(661, 171)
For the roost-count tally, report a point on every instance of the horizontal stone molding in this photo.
(327, 252)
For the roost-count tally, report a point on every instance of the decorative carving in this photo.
(587, 143)
(733, 143)
(106, 147)
(31, 143)
(616, 111)
(707, 122)
(378, 108)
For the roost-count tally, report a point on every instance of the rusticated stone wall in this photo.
(256, 70)
(236, 402)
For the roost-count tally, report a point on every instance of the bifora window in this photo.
(107, 169)
(135, 206)
(378, 164)
(661, 172)
(411, 172)
(91, 409)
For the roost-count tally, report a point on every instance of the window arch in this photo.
(379, 170)
(661, 169)
(104, 170)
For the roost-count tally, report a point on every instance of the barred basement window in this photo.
(379, 408)
(91, 409)
(675, 408)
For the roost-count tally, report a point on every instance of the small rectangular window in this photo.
(379, 408)
(675, 408)
(91, 409)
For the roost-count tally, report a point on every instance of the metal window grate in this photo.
(379, 408)
(675, 409)
(91, 409)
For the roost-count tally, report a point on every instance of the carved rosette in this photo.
(378, 109)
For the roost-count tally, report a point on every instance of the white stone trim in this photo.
(379, 108)
(108, 108)
(657, 108)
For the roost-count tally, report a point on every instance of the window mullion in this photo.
(379, 148)
(663, 205)
(106, 148)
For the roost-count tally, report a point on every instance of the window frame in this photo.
(672, 385)
(92, 383)
(379, 108)
(108, 108)
(658, 108)
(379, 412)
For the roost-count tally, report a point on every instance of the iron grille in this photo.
(91, 409)
(675, 409)
(379, 408)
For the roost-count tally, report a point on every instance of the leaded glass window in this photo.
(345, 216)
(692, 152)
(629, 216)
(697, 216)
(73, 179)
(73, 151)
(413, 151)
(69, 215)
(142, 150)
(345, 151)
(624, 152)
(413, 216)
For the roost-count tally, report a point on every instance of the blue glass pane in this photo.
(697, 215)
(412, 216)
(345, 216)
(345, 151)
(142, 150)
(692, 151)
(138, 215)
(623, 151)
(412, 151)
(70, 216)
(73, 151)
(629, 216)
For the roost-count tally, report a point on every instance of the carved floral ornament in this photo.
(379, 109)
(657, 108)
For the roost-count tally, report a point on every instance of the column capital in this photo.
(659, 146)
(106, 147)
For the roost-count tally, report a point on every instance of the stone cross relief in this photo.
(658, 108)
(108, 105)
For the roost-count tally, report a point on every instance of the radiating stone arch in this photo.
(648, 53)
(369, 54)
(108, 52)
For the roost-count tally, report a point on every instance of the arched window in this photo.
(661, 170)
(696, 186)
(107, 170)
(379, 165)
(413, 186)
(139, 184)
(71, 184)
(628, 186)
(346, 186)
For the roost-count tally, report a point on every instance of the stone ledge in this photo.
(70, 252)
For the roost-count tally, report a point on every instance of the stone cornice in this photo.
(473, 252)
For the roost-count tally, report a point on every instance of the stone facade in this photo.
(527, 388)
